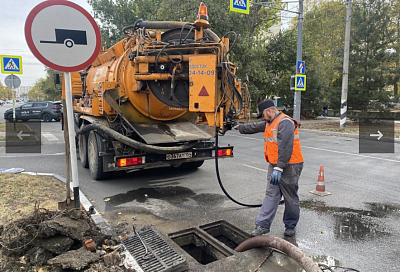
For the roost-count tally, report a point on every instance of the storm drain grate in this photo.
(161, 257)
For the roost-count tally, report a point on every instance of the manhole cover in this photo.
(161, 257)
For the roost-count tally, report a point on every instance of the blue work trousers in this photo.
(288, 187)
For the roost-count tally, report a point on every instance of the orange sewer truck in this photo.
(157, 98)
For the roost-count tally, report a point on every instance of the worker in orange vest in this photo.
(282, 151)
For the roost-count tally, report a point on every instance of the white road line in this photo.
(352, 154)
(327, 150)
(244, 137)
(255, 168)
(49, 136)
(36, 155)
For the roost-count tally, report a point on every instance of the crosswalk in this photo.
(49, 136)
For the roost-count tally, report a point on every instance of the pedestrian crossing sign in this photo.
(301, 81)
(241, 6)
(11, 64)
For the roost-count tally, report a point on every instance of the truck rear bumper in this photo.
(127, 163)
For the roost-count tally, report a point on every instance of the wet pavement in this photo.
(357, 226)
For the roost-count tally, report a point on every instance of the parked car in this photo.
(1, 102)
(44, 110)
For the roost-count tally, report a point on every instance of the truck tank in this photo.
(157, 95)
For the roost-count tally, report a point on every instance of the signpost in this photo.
(11, 65)
(65, 37)
(12, 82)
(241, 6)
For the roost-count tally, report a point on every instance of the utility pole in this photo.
(297, 94)
(345, 79)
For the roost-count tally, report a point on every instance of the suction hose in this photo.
(130, 142)
(220, 182)
(286, 247)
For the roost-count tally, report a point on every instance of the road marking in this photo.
(352, 154)
(245, 137)
(35, 155)
(49, 136)
(327, 150)
(255, 168)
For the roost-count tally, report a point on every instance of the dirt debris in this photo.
(56, 244)
(75, 259)
(73, 228)
(55, 241)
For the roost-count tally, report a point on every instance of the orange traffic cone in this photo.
(320, 188)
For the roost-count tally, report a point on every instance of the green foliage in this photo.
(5, 92)
(116, 14)
(371, 36)
(44, 88)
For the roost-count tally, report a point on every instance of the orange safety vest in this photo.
(271, 142)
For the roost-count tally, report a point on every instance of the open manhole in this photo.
(161, 256)
(226, 233)
(202, 248)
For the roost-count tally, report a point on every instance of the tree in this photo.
(395, 48)
(5, 92)
(34, 94)
(46, 87)
(369, 59)
(116, 14)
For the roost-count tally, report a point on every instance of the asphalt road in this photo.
(357, 226)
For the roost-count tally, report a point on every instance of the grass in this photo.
(18, 128)
(19, 192)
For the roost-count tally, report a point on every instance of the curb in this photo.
(96, 217)
(349, 135)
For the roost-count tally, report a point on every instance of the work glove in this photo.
(276, 176)
(235, 124)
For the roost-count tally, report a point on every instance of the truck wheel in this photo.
(83, 150)
(191, 165)
(95, 161)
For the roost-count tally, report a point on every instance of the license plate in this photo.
(177, 156)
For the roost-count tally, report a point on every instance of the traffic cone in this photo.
(320, 188)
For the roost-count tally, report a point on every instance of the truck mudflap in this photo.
(121, 163)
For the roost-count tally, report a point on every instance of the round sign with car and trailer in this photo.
(62, 35)
(65, 37)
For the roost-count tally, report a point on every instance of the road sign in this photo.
(301, 67)
(241, 6)
(12, 81)
(11, 64)
(300, 81)
(62, 35)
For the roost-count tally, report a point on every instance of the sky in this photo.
(12, 40)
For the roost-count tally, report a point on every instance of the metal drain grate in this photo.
(161, 257)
